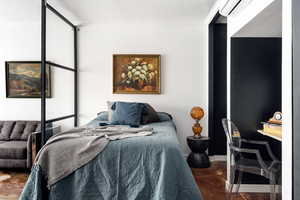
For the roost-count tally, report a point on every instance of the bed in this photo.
(142, 168)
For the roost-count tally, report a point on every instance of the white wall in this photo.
(241, 17)
(20, 41)
(183, 77)
(287, 140)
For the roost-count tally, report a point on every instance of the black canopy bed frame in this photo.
(45, 6)
(165, 154)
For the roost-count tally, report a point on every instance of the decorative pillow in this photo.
(127, 113)
(149, 115)
(163, 116)
(110, 110)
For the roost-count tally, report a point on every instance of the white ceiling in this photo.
(19, 10)
(91, 11)
(267, 23)
(94, 10)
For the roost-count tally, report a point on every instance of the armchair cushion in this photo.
(13, 150)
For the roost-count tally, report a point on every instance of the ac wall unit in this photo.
(227, 6)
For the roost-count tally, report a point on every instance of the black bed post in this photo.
(43, 73)
(75, 76)
(44, 7)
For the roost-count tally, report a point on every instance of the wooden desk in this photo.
(274, 136)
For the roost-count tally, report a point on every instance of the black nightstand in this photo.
(198, 157)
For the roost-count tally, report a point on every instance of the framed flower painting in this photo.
(136, 74)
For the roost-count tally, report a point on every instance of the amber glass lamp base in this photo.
(197, 129)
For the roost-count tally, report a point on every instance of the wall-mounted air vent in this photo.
(227, 6)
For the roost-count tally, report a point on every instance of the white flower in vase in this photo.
(145, 67)
(137, 73)
(138, 67)
(129, 74)
(142, 76)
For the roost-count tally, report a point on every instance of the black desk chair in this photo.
(238, 161)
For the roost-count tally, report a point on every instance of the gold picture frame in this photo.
(23, 79)
(136, 74)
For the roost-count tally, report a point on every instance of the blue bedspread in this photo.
(142, 168)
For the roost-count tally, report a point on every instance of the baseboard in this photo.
(212, 158)
(254, 188)
(218, 158)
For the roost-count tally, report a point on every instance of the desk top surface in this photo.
(274, 136)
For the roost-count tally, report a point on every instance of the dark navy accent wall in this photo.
(217, 88)
(255, 88)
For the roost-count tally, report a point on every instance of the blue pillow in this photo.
(163, 116)
(127, 113)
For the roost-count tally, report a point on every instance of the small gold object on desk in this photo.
(197, 113)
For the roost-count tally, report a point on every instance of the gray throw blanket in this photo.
(67, 151)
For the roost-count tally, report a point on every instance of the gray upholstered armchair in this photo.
(18, 143)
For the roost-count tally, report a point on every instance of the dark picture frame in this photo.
(23, 79)
(148, 79)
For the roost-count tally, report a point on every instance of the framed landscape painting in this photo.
(23, 79)
(136, 74)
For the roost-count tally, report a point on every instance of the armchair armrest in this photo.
(34, 141)
(251, 151)
(266, 144)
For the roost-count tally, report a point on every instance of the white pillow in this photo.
(109, 110)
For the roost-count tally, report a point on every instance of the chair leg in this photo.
(280, 186)
(279, 183)
(231, 183)
(273, 185)
(239, 181)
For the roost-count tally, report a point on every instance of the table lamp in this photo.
(197, 114)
